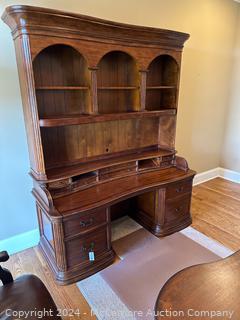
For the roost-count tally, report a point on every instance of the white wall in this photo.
(231, 142)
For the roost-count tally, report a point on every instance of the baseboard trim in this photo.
(215, 173)
(229, 175)
(20, 242)
(205, 176)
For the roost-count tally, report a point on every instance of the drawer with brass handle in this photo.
(179, 188)
(178, 208)
(81, 222)
(78, 249)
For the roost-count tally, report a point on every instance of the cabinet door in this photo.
(150, 208)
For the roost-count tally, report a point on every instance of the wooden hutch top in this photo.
(24, 19)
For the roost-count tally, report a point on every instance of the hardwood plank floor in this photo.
(215, 211)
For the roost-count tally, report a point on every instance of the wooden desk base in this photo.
(80, 223)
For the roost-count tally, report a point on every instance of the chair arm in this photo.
(4, 256)
(5, 275)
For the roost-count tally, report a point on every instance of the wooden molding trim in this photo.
(216, 173)
(82, 26)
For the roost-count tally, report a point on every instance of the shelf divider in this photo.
(143, 82)
(94, 98)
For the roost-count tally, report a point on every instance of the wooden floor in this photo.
(215, 211)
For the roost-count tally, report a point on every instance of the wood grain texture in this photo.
(31, 260)
(207, 287)
(15, 17)
(216, 211)
(96, 95)
(130, 186)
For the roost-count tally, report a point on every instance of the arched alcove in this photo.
(61, 81)
(162, 81)
(118, 83)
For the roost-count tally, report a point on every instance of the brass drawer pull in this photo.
(90, 248)
(86, 223)
(180, 189)
(178, 209)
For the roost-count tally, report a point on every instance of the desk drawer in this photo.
(77, 250)
(85, 222)
(178, 189)
(178, 208)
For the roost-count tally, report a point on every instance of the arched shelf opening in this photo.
(118, 83)
(62, 81)
(162, 83)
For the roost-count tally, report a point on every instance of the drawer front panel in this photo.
(77, 250)
(166, 164)
(178, 208)
(168, 158)
(119, 167)
(83, 222)
(178, 189)
(116, 174)
(117, 171)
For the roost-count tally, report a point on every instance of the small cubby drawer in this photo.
(178, 208)
(148, 164)
(81, 222)
(178, 189)
(84, 179)
(117, 171)
(166, 164)
(168, 158)
(77, 249)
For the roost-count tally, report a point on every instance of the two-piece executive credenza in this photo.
(100, 107)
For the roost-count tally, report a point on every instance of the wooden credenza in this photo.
(100, 107)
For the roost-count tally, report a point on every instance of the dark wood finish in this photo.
(100, 107)
(26, 293)
(56, 121)
(208, 287)
(84, 222)
(162, 82)
(118, 84)
(5, 274)
(107, 161)
(206, 217)
(118, 189)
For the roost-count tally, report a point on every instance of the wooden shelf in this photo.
(68, 120)
(160, 87)
(62, 88)
(85, 200)
(118, 88)
(83, 167)
(166, 111)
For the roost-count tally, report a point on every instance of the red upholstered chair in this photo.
(27, 294)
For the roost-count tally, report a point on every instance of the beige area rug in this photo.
(128, 289)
